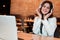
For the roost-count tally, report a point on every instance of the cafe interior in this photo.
(24, 12)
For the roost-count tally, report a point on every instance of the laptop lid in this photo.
(8, 29)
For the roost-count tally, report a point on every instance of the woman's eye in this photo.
(48, 7)
(44, 6)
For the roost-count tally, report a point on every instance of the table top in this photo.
(27, 36)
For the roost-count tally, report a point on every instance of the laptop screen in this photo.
(8, 29)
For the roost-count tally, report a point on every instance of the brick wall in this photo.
(28, 7)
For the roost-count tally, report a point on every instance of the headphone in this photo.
(40, 6)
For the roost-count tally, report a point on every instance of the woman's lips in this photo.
(44, 10)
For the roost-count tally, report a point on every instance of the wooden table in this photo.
(27, 36)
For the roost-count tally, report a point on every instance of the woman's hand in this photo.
(38, 13)
(46, 16)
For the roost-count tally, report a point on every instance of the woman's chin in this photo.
(44, 13)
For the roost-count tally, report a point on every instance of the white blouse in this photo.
(48, 29)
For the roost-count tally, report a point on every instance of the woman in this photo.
(45, 23)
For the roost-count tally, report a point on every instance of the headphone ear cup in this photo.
(40, 6)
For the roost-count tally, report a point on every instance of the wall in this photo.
(28, 7)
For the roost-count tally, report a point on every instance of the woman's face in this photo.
(45, 8)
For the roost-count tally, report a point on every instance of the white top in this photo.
(49, 26)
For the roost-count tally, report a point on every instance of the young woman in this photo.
(45, 23)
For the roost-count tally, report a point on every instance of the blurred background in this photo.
(28, 7)
(25, 11)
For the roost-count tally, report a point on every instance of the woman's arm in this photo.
(36, 25)
(50, 26)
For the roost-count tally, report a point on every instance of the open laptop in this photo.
(8, 29)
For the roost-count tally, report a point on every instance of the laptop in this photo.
(8, 29)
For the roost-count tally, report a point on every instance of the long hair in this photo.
(51, 7)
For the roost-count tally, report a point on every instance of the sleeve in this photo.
(50, 26)
(36, 25)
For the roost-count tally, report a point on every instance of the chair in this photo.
(57, 31)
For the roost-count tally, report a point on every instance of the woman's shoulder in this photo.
(53, 18)
(37, 17)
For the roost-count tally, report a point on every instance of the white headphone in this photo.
(42, 2)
